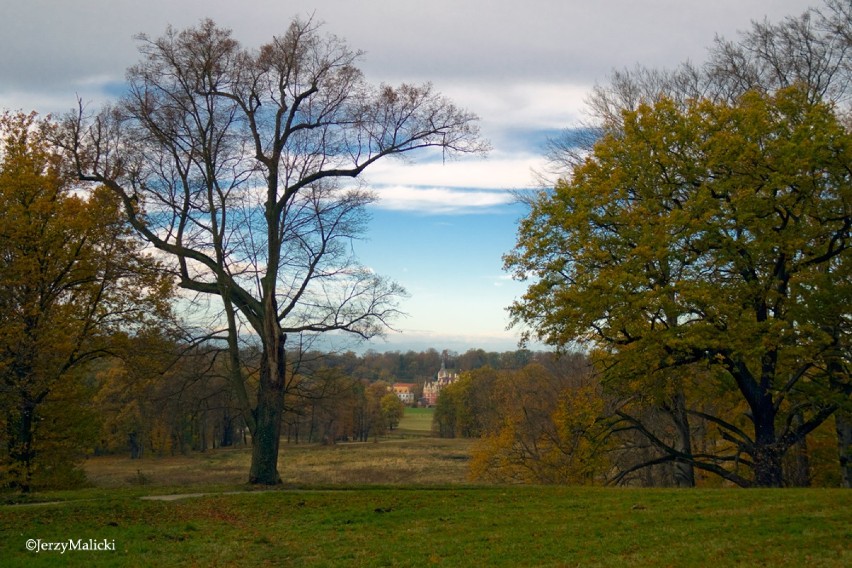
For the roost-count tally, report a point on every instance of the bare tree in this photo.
(234, 162)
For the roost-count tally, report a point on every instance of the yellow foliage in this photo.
(543, 439)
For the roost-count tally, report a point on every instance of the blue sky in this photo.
(439, 229)
(451, 266)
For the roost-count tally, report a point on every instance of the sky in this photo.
(439, 229)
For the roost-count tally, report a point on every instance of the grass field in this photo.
(408, 455)
(416, 461)
(416, 422)
(405, 501)
(450, 526)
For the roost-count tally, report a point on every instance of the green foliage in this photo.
(466, 408)
(392, 410)
(713, 233)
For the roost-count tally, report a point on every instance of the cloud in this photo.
(510, 47)
(519, 104)
(503, 279)
(501, 170)
(440, 200)
(420, 340)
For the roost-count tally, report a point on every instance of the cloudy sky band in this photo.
(440, 227)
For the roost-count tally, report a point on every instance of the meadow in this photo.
(406, 501)
(407, 455)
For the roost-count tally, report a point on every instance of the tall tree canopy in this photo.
(234, 162)
(810, 50)
(714, 234)
(73, 278)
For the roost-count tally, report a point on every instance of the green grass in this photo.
(406, 501)
(451, 526)
(416, 422)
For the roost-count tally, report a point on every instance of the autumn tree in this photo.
(538, 425)
(449, 408)
(714, 234)
(235, 163)
(392, 409)
(810, 50)
(72, 277)
(467, 408)
(322, 405)
(159, 392)
(558, 439)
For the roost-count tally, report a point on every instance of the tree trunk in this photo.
(767, 466)
(684, 473)
(135, 445)
(235, 370)
(202, 431)
(227, 432)
(799, 463)
(843, 423)
(265, 439)
(767, 456)
(266, 436)
(23, 451)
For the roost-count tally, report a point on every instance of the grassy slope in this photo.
(406, 502)
(454, 526)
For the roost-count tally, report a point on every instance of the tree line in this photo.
(555, 421)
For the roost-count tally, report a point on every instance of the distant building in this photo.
(432, 389)
(405, 392)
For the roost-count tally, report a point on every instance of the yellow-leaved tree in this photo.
(72, 276)
(713, 234)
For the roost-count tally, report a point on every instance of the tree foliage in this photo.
(537, 424)
(715, 234)
(161, 395)
(73, 277)
(810, 51)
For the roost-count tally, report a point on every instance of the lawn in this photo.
(449, 526)
(416, 422)
(406, 501)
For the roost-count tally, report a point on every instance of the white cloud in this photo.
(496, 172)
(499, 281)
(523, 104)
(422, 339)
(439, 200)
